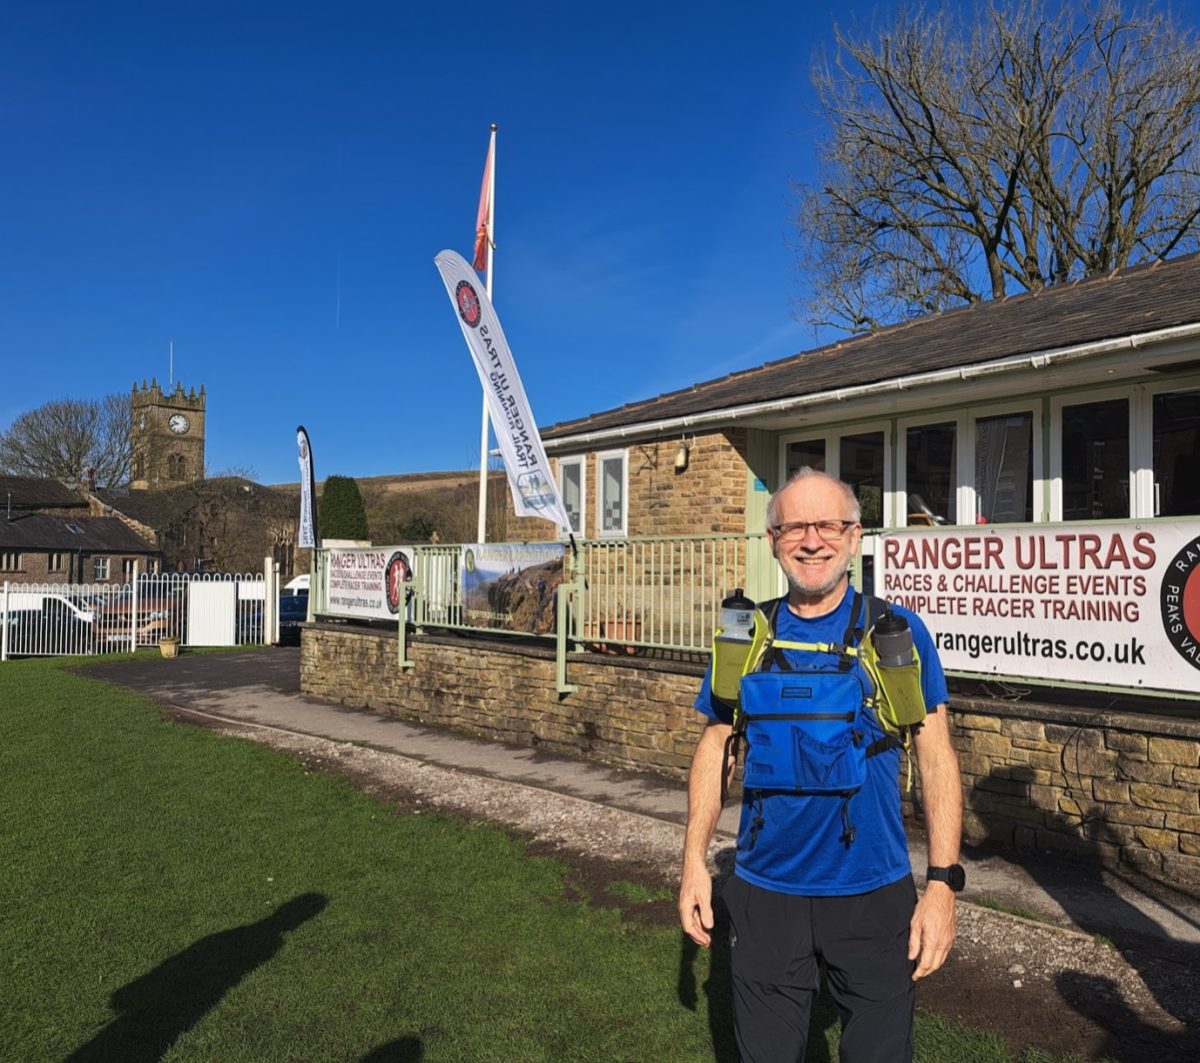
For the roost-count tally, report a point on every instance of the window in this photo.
(176, 467)
(1004, 470)
(571, 485)
(1095, 460)
(931, 473)
(1176, 442)
(861, 465)
(99, 568)
(128, 567)
(139, 466)
(57, 563)
(613, 488)
(805, 452)
(10, 561)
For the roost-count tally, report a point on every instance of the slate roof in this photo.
(33, 492)
(36, 531)
(1135, 300)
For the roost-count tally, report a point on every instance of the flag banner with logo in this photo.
(1094, 605)
(534, 492)
(483, 218)
(308, 514)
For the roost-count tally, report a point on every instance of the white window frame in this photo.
(10, 561)
(832, 437)
(1138, 427)
(579, 460)
(964, 471)
(128, 569)
(56, 561)
(623, 531)
(969, 512)
(100, 569)
(1143, 488)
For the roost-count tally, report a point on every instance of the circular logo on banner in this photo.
(1180, 601)
(468, 303)
(397, 573)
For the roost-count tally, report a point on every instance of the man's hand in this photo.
(931, 931)
(695, 904)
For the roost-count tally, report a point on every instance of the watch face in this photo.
(178, 423)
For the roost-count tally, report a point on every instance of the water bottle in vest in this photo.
(900, 672)
(731, 645)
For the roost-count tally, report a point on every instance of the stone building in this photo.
(167, 436)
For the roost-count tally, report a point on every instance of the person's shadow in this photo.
(718, 988)
(402, 1050)
(154, 1010)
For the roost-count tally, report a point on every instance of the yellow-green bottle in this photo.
(731, 645)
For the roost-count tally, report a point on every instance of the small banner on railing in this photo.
(368, 583)
(1109, 604)
(510, 586)
(534, 492)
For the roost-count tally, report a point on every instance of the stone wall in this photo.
(1116, 789)
(630, 712)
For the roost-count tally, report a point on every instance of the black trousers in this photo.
(777, 945)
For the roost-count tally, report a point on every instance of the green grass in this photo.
(636, 893)
(1010, 909)
(169, 893)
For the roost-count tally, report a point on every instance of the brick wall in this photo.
(1114, 789)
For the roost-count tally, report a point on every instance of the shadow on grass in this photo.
(718, 989)
(155, 1010)
(402, 1050)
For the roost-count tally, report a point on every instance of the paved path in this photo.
(262, 687)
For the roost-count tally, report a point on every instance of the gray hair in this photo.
(806, 473)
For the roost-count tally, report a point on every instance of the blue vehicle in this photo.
(293, 611)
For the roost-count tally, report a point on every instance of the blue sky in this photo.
(266, 185)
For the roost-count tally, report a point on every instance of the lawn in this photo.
(168, 893)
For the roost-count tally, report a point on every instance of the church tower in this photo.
(167, 436)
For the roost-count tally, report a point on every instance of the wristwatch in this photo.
(954, 876)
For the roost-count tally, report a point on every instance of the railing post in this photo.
(408, 593)
(4, 630)
(566, 591)
(133, 607)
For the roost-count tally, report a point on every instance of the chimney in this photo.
(89, 478)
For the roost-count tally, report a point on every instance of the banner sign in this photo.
(367, 583)
(308, 515)
(513, 587)
(1101, 604)
(534, 491)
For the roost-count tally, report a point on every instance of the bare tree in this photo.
(1034, 145)
(67, 438)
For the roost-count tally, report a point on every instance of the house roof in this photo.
(158, 509)
(37, 531)
(1140, 299)
(36, 492)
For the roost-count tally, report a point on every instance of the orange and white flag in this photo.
(483, 220)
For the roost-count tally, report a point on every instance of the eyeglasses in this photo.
(829, 530)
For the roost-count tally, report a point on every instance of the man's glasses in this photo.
(829, 530)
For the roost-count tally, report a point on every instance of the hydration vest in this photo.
(809, 725)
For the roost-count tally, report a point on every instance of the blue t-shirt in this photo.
(797, 847)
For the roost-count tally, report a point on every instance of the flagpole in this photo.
(491, 247)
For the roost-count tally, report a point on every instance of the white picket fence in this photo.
(208, 609)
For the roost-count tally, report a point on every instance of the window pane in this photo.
(1004, 468)
(862, 468)
(572, 492)
(810, 452)
(612, 502)
(1176, 444)
(931, 463)
(1095, 460)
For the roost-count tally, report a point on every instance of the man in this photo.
(807, 889)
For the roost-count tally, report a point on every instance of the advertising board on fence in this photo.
(511, 587)
(1111, 604)
(368, 582)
